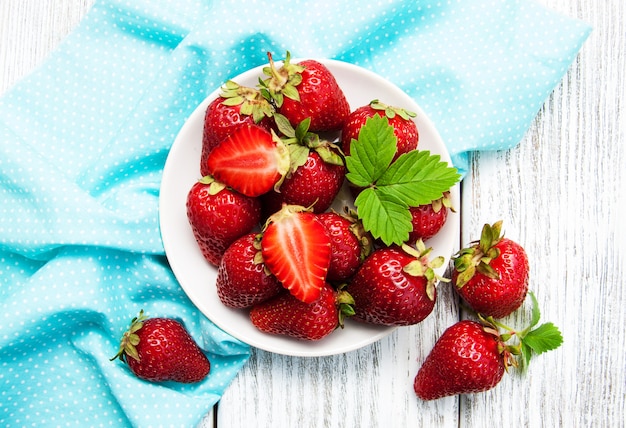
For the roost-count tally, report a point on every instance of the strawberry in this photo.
(467, 358)
(472, 356)
(492, 274)
(304, 90)
(316, 174)
(429, 219)
(251, 160)
(296, 249)
(161, 349)
(234, 106)
(287, 315)
(395, 286)
(242, 280)
(404, 128)
(314, 184)
(218, 216)
(349, 245)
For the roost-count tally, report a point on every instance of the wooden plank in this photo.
(559, 193)
(30, 30)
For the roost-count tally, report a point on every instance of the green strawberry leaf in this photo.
(418, 178)
(372, 153)
(536, 313)
(546, 337)
(388, 218)
(298, 156)
(284, 126)
(390, 188)
(302, 129)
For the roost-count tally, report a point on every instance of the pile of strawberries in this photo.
(275, 157)
(273, 162)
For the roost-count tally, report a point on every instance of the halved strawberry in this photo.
(251, 160)
(296, 249)
(234, 106)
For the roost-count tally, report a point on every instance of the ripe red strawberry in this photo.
(404, 128)
(316, 173)
(286, 315)
(251, 160)
(161, 349)
(296, 249)
(395, 286)
(235, 106)
(349, 245)
(314, 184)
(242, 280)
(218, 216)
(307, 89)
(467, 358)
(429, 219)
(492, 274)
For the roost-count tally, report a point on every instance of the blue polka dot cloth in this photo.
(84, 138)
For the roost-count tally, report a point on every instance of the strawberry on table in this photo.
(472, 356)
(251, 160)
(492, 274)
(161, 349)
(466, 359)
(234, 106)
(304, 90)
(242, 280)
(404, 128)
(286, 315)
(296, 249)
(395, 286)
(219, 215)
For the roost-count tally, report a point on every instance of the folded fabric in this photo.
(84, 138)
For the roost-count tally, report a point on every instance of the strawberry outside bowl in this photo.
(197, 277)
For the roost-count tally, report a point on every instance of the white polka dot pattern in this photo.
(83, 141)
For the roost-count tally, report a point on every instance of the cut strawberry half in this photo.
(251, 160)
(296, 249)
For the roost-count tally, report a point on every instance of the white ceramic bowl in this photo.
(197, 277)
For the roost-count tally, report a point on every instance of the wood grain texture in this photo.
(30, 30)
(559, 194)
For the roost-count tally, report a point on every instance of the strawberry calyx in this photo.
(130, 339)
(424, 266)
(301, 141)
(345, 303)
(444, 202)
(532, 340)
(252, 101)
(214, 186)
(366, 242)
(476, 258)
(508, 352)
(258, 256)
(281, 81)
(391, 111)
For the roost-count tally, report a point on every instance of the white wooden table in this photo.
(560, 194)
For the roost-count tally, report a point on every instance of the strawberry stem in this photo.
(130, 339)
(530, 340)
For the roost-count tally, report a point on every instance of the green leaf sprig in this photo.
(388, 187)
(532, 340)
